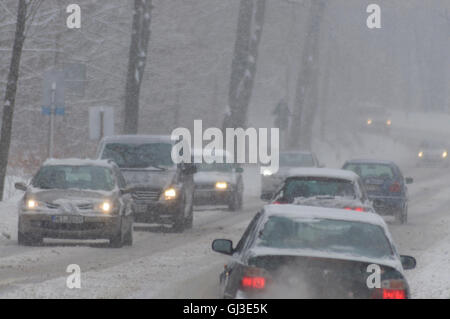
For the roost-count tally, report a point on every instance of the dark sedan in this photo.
(385, 186)
(291, 251)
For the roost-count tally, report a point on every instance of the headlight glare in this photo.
(420, 154)
(221, 185)
(444, 154)
(170, 193)
(105, 207)
(31, 204)
(267, 172)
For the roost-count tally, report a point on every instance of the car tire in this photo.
(401, 216)
(179, 222)
(233, 204)
(117, 240)
(128, 238)
(24, 239)
(189, 222)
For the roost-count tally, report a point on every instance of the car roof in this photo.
(370, 161)
(297, 152)
(78, 162)
(137, 139)
(298, 212)
(323, 172)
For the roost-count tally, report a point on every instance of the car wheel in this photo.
(179, 222)
(117, 241)
(128, 239)
(190, 219)
(404, 215)
(401, 216)
(28, 240)
(233, 205)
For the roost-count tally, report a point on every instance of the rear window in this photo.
(296, 160)
(325, 235)
(372, 170)
(317, 186)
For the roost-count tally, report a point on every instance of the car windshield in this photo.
(382, 171)
(74, 177)
(296, 160)
(325, 235)
(215, 167)
(139, 155)
(317, 186)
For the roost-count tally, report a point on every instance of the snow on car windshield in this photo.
(326, 235)
(74, 177)
(139, 155)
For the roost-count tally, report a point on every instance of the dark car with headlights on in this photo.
(163, 191)
(323, 187)
(291, 251)
(433, 153)
(385, 186)
(270, 181)
(76, 199)
(218, 182)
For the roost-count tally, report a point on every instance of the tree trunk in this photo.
(306, 91)
(11, 89)
(243, 68)
(140, 37)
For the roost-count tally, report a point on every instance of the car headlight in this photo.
(444, 154)
(221, 185)
(106, 207)
(267, 172)
(420, 154)
(388, 122)
(31, 204)
(170, 193)
(369, 122)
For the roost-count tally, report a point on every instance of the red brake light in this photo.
(357, 209)
(254, 282)
(394, 294)
(395, 188)
(278, 203)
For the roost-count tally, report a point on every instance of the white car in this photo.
(323, 187)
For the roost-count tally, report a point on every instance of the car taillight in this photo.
(253, 282)
(395, 188)
(394, 294)
(278, 203)
(254, 279)
(392, 289)
(357, 209)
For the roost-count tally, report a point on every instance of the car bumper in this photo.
(92, 227)
(160, 212)
(212, 197)
(387, 205)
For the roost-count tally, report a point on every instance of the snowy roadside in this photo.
(146, 277)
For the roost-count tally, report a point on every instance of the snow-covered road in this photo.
(168, 265)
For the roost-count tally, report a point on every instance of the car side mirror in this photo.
(21, 186)
(267, 197)
(223, 246)
(408, 262)
(239, 170)
(189, 169)
(409, 180)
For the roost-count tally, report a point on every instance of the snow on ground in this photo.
(146, 277)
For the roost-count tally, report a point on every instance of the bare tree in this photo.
(306, 91)
(25, 11)
(243, 68)
(140, 36)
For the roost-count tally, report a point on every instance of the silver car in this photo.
(76, 199)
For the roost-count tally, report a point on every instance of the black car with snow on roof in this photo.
(323, 187)
(162, 190)
(291, 251)
(76, 199)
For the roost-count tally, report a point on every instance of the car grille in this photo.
(51, 205)
(146, 195)
(205, 186)
(86, 206)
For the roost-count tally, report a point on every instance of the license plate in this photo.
(141, 208)
(68, 219)
(372, 188)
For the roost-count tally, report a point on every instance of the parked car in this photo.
(163, 192)
(291, 251)
(323, 187)
(271, 181)
(76, 199)
(385, 186)
(218, 183)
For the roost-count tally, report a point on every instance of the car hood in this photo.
(73, 195)
(213, 177)
(149, 177)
